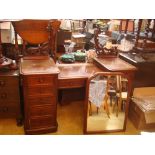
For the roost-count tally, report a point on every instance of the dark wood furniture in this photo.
(145, 63)
(39, 79)
(9, 95)
(144, 77)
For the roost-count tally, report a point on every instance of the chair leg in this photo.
(106, 106)
(90, 109)
(117, 107)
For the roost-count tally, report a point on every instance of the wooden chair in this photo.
(104, 102)
(41, 34)
(121, 96)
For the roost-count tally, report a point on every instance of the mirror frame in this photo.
(86, 103)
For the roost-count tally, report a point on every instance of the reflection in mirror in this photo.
(107, 99)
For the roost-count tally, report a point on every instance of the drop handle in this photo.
(3, 95)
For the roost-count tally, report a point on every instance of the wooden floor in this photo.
(70, 122)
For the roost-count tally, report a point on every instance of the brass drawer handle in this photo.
(2, 83)
(3, 95)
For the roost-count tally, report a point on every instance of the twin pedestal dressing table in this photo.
(40, 79)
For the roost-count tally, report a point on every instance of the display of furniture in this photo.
(10, 106)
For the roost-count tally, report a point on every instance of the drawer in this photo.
(40, 122)
(6, 96)
(42, 110)
(31, 81)
(9, 82)
(7, 111)
(72, 83)
(42, 100)
(41, 90)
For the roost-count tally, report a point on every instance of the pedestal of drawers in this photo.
(10, 96)
(40, 103)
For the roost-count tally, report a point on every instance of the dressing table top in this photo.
(42, 66)
(79, 70)
(114, 64)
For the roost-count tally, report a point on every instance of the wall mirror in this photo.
(106, 103)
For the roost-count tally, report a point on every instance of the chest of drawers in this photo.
(9, 95)
(39, 79)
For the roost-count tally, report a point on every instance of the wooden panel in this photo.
(71, 83)
(7, 82)
(42, 110)
(40, 90)
(42, 100)
(39, 80)
(9, 111)
(11, 95)
(38, 122)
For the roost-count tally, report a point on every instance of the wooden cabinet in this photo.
(9, 95)
(40, 95)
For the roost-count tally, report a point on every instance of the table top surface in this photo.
(115, 64)
(81, 70)
(44, 66)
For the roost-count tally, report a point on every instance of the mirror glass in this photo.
(107, 102)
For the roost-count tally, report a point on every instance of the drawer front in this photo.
(33, 91)
(31, 81)
(40, 122)
(42, 100)
(71, 83)
(6, 96)
(8, 111)
(42, 110)
(9, 82)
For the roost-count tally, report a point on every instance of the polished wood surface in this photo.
(10, 95)
(44, 66)
(115, 64)
(72, 80)
(79, 70)
(40, 83)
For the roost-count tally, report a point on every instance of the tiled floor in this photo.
(70, 122)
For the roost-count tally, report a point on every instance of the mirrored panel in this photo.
(107, 102)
